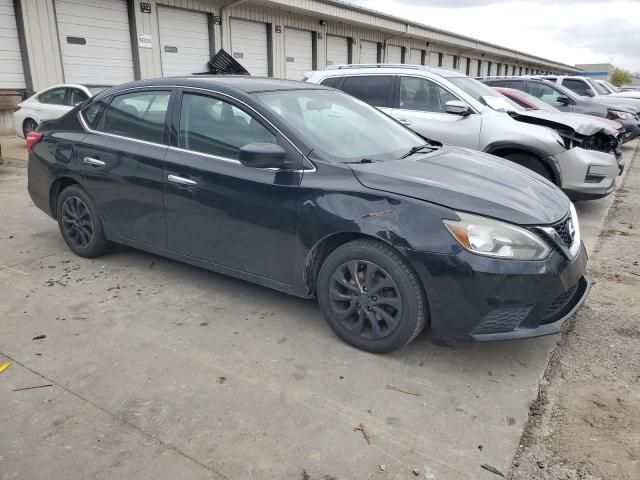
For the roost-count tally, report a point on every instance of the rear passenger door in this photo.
(218, 210)
(122, 162)
(420, 105)
(376, 90)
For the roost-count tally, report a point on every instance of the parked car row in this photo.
(314, 192)
(577, 155)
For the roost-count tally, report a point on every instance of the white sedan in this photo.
(49, 104)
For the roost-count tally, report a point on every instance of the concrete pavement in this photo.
(162, 370)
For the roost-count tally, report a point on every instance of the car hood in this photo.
(469, 181)
(582, 124)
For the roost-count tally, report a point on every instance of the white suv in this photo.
(446, 106)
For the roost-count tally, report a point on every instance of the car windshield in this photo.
(484, 94)
(540, 104)
(339, 127)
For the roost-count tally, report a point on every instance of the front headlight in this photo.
(620, 115)
(492, 238)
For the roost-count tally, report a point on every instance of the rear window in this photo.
(373, 89)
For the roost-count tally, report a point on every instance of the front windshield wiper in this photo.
(417, 148)
(361, 161)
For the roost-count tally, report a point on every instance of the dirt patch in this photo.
(585, 423)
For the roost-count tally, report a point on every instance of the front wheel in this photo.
(29, 125)
(532, 163)
(371, 297)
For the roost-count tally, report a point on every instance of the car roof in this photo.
(243, 83)
(393, 68)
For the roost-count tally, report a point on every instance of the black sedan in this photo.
(307, 190)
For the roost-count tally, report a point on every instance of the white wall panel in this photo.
(11, 70)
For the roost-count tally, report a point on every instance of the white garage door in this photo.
(462, 64)
(416, 56)
(368, 52)
(448, 61)
(394, 54)
(337, 50)
(434, 59)
(95, 41)
(11, 72)
(249, 46)
(184, 41)
(298, 50)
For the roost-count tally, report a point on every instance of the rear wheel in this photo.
(29, 125)
(371, 297)
(80, 224)
(532, 163)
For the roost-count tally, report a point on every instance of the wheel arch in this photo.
(500, 149)
(54, 192)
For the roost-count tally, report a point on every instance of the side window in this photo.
(76, 96)
(577, 86)
(374, 89)
(213, 126)
(331, 82)
(54, 96)
(423, 95)
(139, 115)
(544, 92)
(517, 84)
(93, 113)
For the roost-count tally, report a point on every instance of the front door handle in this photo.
(404, 121)
(181, 180)
(94, 161)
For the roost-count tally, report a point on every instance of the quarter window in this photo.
(139, 115)
(423, 95)
(76, 96)
(373, 89)
(331, 82)
(55, 96)
(215, 127)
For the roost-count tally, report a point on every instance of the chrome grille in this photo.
(562, 229)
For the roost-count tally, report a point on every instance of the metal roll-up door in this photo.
(95, 41)
(434, 59)
(184, 41)
(249, 46)
(416, 56)
(368, 52)
(298, 50)
(11, 70)
(337, 50)
(394, 54)
(448, 61)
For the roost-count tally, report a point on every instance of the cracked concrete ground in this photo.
(162, 370)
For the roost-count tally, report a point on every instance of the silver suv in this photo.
(446, 106)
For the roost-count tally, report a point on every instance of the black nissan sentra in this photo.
(307, 190)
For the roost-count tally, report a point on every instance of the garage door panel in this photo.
(337, 50)
(106, 57)
(184, 41)
(11, 70)
(368, 52)
(394, 54)
(416, 56)
(249, 46)
(298, 47)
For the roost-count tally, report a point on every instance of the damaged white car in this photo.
(443, 105)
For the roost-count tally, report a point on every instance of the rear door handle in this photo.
(404, 121)
(94, 161)
(181, 180)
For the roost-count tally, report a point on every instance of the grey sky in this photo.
(569, 31)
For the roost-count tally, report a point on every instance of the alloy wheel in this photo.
(76, 222)
(365, 299)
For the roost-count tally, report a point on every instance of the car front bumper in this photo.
(481, 298)
(587, 173)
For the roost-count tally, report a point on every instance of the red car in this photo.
(530, 102)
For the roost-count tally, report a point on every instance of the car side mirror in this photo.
(457, 107)
(262, 155)
(589, 93)
(563, 99)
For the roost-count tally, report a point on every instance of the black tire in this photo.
(385, 292)
(532, 163)
(80, 223)
(29, 125)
